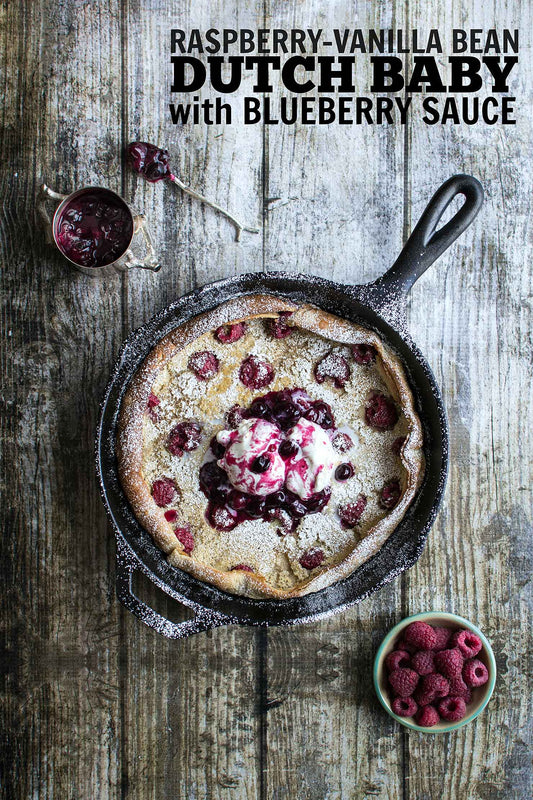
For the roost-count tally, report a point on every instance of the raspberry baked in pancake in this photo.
(269, 448)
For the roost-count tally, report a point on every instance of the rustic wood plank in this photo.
(60, 617)
(97, 705)
(340, 187)
(469, 316)
(341, 217)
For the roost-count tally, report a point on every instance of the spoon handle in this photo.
(239, 227)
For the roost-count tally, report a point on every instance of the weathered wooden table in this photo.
(95, 704)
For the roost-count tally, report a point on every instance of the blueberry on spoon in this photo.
(151, 162)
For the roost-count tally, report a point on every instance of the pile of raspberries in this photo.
(432, 672)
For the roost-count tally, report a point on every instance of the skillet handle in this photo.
(202, 621)
(426, 243)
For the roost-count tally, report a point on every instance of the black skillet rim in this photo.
(400, 551)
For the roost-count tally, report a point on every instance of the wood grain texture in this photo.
(479, 298)
(94, 703)
(60, 618)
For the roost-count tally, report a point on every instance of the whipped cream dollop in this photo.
(253, 464)
(253, 439)
(310, 469)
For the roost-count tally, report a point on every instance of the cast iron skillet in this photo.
(379, 306)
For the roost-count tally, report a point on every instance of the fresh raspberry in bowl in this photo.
(434, 672)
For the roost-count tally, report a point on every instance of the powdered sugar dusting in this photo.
(257, 543)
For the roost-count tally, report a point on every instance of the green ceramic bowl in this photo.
(480, 696)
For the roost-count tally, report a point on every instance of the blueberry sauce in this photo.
(149, 161)
(216, 448)
(287, 449)
(286, 407)
(94, 228)
(227, 506)
(260, 464)
(344, 472)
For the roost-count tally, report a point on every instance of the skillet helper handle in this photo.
(426, 243)
(172, 630)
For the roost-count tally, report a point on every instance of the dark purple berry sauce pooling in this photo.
(286, 407)
(228, 506)
(94, 228)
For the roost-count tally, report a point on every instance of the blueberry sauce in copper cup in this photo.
(94, 229)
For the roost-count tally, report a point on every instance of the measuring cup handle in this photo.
(46, 194)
